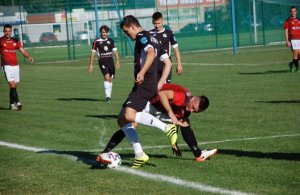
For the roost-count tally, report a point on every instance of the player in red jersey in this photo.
(10, 65)
(105, 48)
(173, 103)
(292, 37)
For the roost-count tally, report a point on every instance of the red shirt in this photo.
(293, 26)
(8, 50)
(178, 103)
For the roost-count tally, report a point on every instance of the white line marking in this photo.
(173, 180)
(156, 177)
(177, 181)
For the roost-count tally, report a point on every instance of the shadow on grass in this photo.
(79, 99)
(280, 101)
(2, 108)
(105, 116)
(266, 72)
(88, 158)
(256, 154)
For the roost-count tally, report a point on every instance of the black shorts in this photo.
(108, 68)
(138, 97)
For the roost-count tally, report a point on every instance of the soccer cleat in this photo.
(13, 107)
(138, 162)
(103, 158)
(206, 154)
(171, 131)
(19, 106)
(107, 99)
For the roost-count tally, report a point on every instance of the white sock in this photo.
(133, 139)
(106, 88)
(110, 89)
(149, 120)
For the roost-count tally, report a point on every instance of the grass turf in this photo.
(252, 95)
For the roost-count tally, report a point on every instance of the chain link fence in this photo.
(65, 29)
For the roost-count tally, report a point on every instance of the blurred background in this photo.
(67, 28)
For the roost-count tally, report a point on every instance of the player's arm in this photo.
(166, 71)
(24, 52)
(286, 32)
(90, 66)
(164, 98)
(150, 56)
(178, 59)
(116, 54)
(177, 54)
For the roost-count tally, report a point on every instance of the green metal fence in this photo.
(65, 29)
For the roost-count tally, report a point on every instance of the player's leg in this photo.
(107, 87)
(148, 119)
(125, 120)
(189, 137)
(13, 77)
(106, 79)
(296, 52)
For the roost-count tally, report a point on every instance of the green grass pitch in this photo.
(253, 120)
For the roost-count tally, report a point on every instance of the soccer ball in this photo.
(111, 159)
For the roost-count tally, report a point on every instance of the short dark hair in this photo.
(129, 21)
(292, 7)
(106, 28)
(204, 103)
(7, 26)
(157, 16)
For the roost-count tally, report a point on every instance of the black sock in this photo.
(14, 95)
(296, 63)
(189, 137)
(11, 98)
(117, 137)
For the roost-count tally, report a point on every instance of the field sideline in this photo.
(253, 120)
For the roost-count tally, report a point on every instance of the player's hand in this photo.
(30, 59)
(90, 69)
(176, 150)
(139, 78)
(118, 65)
(182, 124)
(159, 86)
(179, 69)
(288, 43)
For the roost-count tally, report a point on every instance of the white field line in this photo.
(211, 142)
(180, 182)
(155, 177)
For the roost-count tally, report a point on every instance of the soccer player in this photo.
(105, 48)
(10, 65)
(292, 37)
(167, 38)
(172, 103)
(147, 53)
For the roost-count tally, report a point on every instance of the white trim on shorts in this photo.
(295, 44)
(12, 73)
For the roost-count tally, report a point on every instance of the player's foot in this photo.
(171, 131)
(103, 158)
(291, 66)
(206, 154)
(19, 106)
(107, 99)
(13, 107)
(138, 162)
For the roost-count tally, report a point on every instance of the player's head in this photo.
(104, 31)
(130, 26)
(7, 29)
(197, 104)
(293, 11)
(158, 21)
